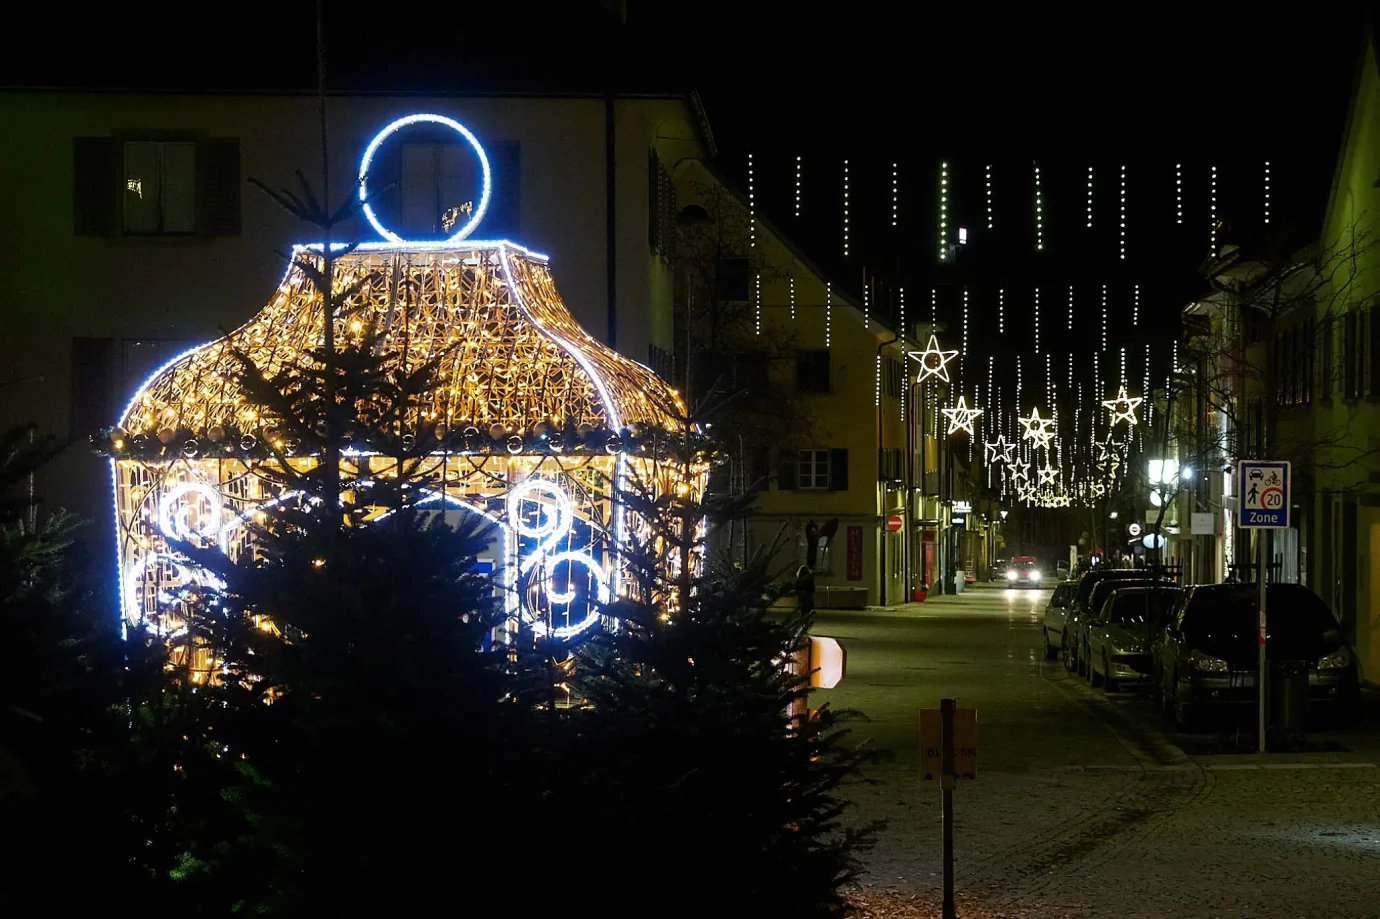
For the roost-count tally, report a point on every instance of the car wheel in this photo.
(1161, 696)
(1108, 683)
(1094, 679)
(1050, 650)
(1066, 652)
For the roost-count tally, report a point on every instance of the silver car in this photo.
(1119, 635)
(1056, 612)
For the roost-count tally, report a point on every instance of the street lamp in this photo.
(1112, 515)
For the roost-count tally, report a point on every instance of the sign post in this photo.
(1263, 487)
(948, 748)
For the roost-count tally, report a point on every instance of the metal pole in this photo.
(947, 781)
(1261, 575)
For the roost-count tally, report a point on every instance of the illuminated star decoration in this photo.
(1040, 430)
(999, 451)
(1123, 407)
(1048, 474)
(961, 417)
(1108, 453)
(933, 360)
(1020, 470)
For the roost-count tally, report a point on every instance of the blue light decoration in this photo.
(546, 469)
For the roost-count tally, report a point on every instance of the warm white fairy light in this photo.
(1001, 311)
(758, 305)
(752, 206)
(1070, 307)
(1104, 317)
(1179, 192)
(797, 186)
(990, 215)
(1039, 212)
(895, 195)
(965, 320)
(1135, 307)
(867, 305)
(1267, 191)
(1036, 313)
(1049, 381)
(1123, 213)
(877, 392)
(905, 354)
(934, 306)
(845, 208)
(1145, 390)
(1090, 196)
(828, 310)
(1212, 213)
(943, 210)
(793, 298)
(1123, 366)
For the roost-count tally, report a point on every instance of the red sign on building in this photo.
(855, 553)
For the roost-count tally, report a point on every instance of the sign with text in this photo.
(855, 553)
(1263, 487)
(964, 745)
(1203, 525)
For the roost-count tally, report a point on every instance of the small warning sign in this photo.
(964, 743)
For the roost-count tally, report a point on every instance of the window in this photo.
(891, 464)
(812, 370)
(1325, 371)
(661, 208)
(1374, 351)
(1353, 354)
(160, 187)
(145, 187)
(812, 470)
(893, 379)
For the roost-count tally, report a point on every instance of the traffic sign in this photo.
(894, 522)
(964, 745)
(1262, 488)
(1133, 529)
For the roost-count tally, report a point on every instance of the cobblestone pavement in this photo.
(1085, 804)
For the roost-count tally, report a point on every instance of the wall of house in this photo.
(152, 295)
(1346, 557)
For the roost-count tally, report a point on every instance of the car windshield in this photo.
(1294, 615)
(1138, 606)
(1104, 590)
(1062, 594)
(1097, 578)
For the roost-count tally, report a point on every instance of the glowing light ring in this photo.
(555, 519)
(389, 131)
(188, 573)
(172, 519)
(574, 558)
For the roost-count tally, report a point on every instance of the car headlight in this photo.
(1012, 575)
(1336, 660)
(1201, 661)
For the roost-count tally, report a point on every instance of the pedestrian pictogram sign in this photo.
(1263, 491)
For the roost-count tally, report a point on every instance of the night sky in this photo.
(882, 90)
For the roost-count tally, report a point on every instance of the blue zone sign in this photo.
(1262, 488)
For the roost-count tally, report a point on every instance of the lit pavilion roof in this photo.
(510, 352)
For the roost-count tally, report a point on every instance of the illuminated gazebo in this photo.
(530, 423)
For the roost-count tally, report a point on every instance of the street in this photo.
(1087, 804)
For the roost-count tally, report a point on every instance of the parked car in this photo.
(1071, 645)
(1023, 572)
(999, 569)
(1082, 627)
(1119, 634)
(1055, 611)
(1207, 655)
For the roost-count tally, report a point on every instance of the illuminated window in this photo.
(159, 187)
(812, 470)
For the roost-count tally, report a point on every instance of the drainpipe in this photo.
(881, 582)
(611, 221)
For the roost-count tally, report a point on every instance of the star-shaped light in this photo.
(999, 451)
(933, 360)
(1098, 489)
(961, 417)
(1109, 453)
(1040, 430)
(1020, 471)
(1123, 407)
(1048, 473)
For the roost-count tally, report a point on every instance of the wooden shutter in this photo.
(838, 470)
(93, 385)
(504, 218)
(218, 175)
(95, 186)
(785, 470)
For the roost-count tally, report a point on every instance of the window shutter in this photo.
(93, 385)
(785, 470)
(218, 171)
(95, 186)
(1374, 352)
(838, 470)
(504, 218)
